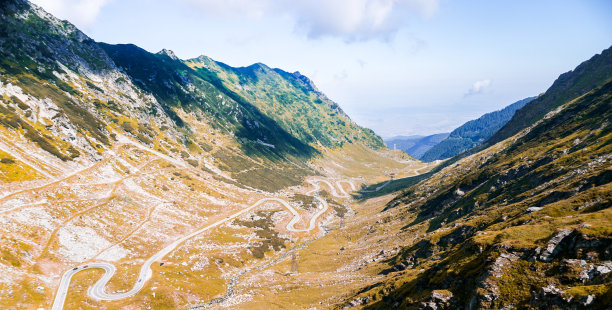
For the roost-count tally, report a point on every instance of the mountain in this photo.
(176, 177)
(569, 85)
(523, 224)
(415, 146)
(180, 108)
(473, 133)
(137, 180)
(291, 99)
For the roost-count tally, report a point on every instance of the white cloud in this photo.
(350, 20)
(82, 13)
(233, 8)
(478, 87)
(359, 20)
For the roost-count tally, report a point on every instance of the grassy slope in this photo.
(33, 43)
(28, 54)
(292, 101)
(562, 166)
(178, 86)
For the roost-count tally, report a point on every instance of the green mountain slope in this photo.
(175, 85)
(473, 133)
(568, 86)
(72, 97)
(37, 53)
(522, 224)
(292, 100)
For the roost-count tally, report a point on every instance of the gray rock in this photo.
(552, 249)
(358, 302)
(534, 209)
(497, 269)
(587, 301)
(438, 300)
(592, 272)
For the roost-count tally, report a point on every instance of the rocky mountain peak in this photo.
(306, 82)
(168, 53)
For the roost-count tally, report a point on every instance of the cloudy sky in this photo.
(400, 67)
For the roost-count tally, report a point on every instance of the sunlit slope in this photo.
(292, 100)
(69, 97)
(177, 86)
(526, 222)
(109, 153)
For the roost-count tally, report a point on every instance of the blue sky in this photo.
(400, 67)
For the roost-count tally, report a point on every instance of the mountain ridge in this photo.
(473, 133)
(510, 225)
(416, 145)
(585, 77)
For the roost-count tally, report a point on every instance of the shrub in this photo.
(7, 161)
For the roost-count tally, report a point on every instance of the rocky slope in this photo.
(522, 224)
(239, 177)
(473, 133)
(71, 96)
(110, 154)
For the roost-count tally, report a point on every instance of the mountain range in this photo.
(100, 90)
(138, 180)
(472, 133)
(415, 146)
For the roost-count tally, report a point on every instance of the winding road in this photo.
(97, 291)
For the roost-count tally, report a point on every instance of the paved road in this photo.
(376, 189)
(98, 292)
(350, 183)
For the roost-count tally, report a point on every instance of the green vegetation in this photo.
(473, 133)
(10, 119)
(415, 146)
(289, 99)
(270, 239)
(490, 217)
(177, 86)
(305, 201)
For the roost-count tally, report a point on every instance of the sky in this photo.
(400, 67)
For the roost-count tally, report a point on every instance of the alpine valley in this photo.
(134, 180)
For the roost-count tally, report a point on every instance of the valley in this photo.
(139, 180)
(148, 198)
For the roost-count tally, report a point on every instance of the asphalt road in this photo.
(97, 291)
